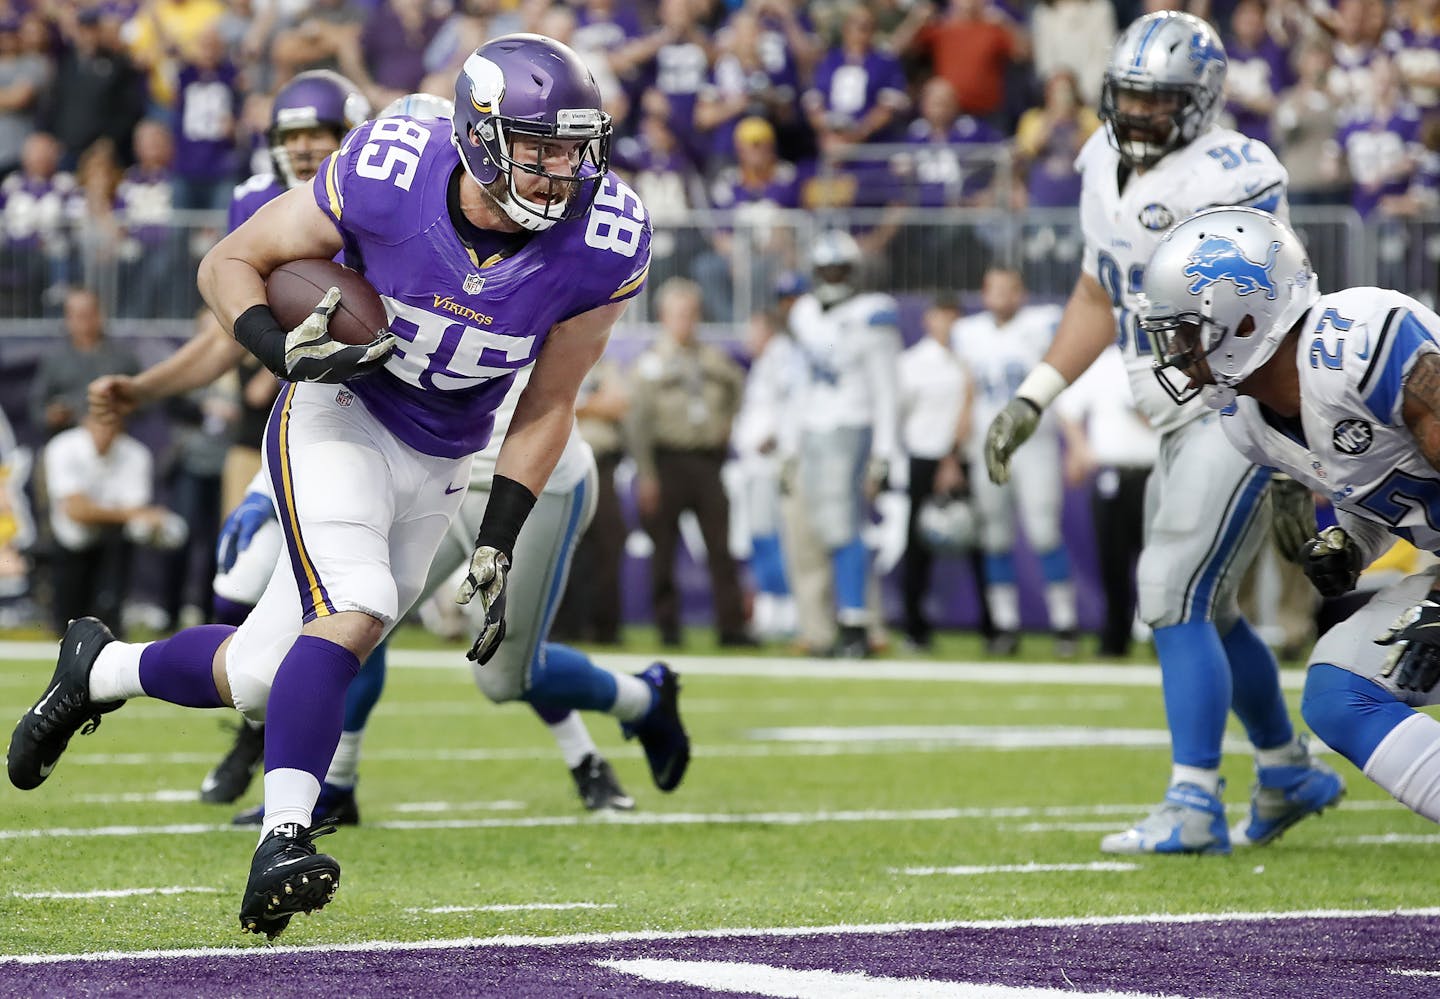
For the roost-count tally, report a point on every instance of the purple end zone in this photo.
(1337, 958)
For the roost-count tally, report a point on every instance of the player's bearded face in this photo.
(547, 170)
(1146, 117)
(307, 149)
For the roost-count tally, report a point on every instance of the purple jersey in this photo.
(680, 71)
(1381, 154)
(1416, 54)
(1257, 72)
(756, 205)
(603, 33)
(945, 170)
(206, 112)
(252, 194)
(731, 78)
(145, 202)
(467, 318)
(848, 89)
(35, 212)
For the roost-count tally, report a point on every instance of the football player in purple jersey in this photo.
(498, 243)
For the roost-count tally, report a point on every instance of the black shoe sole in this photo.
(302, 891)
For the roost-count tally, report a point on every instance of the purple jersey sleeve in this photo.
(614, 259)
(250, 196)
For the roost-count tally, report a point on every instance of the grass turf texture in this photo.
(434, 739)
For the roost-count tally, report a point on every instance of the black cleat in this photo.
(45, 730)
(335, 806)
(599, 788)
(233, 774)
(852, 643)
(661, 734)
(287, 876)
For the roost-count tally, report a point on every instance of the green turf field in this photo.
(820, 793)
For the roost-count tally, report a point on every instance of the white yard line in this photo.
(442, 910)
(407, 807)
(572, 939)
(112, 893)
(967, 871)
(1390, 839)
(138, 797)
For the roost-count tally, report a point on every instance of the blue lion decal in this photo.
(1220, 258)
(1202, 52)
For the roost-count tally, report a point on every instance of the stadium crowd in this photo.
(124, 128)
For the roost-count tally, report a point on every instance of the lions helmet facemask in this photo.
(533, 87)
(1165, 55)
(316, 99)
(833, 259)
(1225, 285)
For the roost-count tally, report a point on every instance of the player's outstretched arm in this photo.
(201, 360)
(1422, 406)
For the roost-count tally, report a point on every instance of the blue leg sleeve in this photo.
(1055, 566)
(851, 563)
(1195, 679)
(1000, 569)
(566, 678)
(1257, 698)
(364, 690)
(768, 564)
(1352, 714)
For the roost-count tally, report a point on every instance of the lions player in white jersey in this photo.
(998, 348)
(847, 407)
(1342, 392)
(1160, 158)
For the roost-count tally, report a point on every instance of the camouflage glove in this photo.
(1011, 427)
(488, 568)
(1332, 562)
(1292, 507)
(312, 356)
(1414, 662)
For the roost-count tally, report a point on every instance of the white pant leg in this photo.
(1035, 472)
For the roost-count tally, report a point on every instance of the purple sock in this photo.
(231, 613)
(551, 715)
(180, 669)
(306, 709)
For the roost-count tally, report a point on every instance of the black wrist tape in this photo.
(510, 503)
(258, 332)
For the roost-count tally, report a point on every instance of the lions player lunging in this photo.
(1341, 391)
(1160, 158)
(498, 243)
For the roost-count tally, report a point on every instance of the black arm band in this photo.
(258, 332)
(505, 514)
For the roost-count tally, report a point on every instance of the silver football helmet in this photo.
(1173, 62)
(1225, 285)
(426, 107)
(833, 257)
(947, 524)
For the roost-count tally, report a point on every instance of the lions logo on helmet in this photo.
(1201, 298)
(531, 87)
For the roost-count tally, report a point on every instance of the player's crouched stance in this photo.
(1343, 394)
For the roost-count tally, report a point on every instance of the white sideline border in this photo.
(849, 929)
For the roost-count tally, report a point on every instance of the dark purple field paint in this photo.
(1336, 958)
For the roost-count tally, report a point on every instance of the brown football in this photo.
(294, 289)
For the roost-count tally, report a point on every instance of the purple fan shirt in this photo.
(944, 170)
(601, 33)
(1415, 54)
(680, 71)
(1262, 70)
(34, 212)
(145, 200)
(848, 89)
(207, 106)
(1377, 148)
(251, 195)
(730, 79)
(466, 322)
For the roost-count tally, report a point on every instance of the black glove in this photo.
(1332, 562)
(1292, 507)
(1414, 662)
(312, 356)
(486, 579)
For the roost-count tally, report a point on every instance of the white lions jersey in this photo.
(848, 354)
(575, 461)
(998, 357)
(1351, 442)
(1122, 227)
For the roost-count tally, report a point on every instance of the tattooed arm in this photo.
(1422, 406)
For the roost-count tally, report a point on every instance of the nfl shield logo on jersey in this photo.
(473, 284)
(1353, 436)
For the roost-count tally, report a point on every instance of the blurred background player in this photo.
(848, 418)
(1159, 158)
(997, 348)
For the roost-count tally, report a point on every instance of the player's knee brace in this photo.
(1350, 713)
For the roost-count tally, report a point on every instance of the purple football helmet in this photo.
(317, 99)
(533, 87)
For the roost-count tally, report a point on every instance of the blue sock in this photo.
(306, 709)
(1256, 695)
(1055, 566)
(1352, 714)
(231, 613)
(181, 669)
(563, 677)
(364, 690)
(767, 562)
(851, 563)
(1000, 568)
(1195, 678)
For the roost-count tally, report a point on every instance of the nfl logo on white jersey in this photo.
(473, 284)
